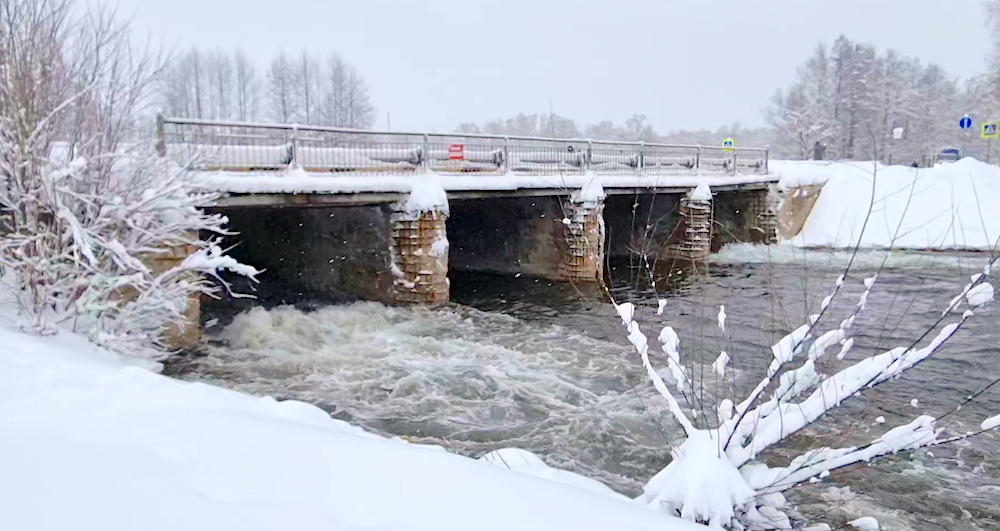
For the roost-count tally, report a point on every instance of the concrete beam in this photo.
(324, 200)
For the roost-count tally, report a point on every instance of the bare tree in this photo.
(220, 83)
(345, 101)
(306, 80)
(281, 90)
(360, 114)
(196, 81)
(247, 87)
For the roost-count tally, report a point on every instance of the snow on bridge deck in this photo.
(267, 187)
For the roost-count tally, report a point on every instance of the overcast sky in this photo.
(685, 64)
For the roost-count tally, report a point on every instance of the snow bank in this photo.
(934, 208)
(526, 462)
(89, 443)
(807, 172)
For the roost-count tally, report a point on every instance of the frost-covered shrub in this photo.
(87, 201)
(714, 477)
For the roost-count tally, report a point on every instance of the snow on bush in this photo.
(96, 224)
(714, 477)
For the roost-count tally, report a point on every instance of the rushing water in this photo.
(529, 363)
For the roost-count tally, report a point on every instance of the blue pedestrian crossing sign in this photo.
(989, 130)
(727, 144)
(965, 122)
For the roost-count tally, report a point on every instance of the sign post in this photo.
(989, 132)
(728, 146)
(965, 124)
(897, 134)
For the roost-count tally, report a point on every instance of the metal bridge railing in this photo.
(217, 145)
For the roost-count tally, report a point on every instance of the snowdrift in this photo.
(89, 442)
(950, 207)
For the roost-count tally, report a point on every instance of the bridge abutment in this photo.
(749, 216)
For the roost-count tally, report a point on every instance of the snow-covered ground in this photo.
(950, 207)
(91, 441)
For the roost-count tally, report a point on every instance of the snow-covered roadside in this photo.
(89, 442)
(950, 207)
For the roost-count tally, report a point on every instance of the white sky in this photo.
(686, 64)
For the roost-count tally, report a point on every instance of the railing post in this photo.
(734, 162)
(590, 155)
(697, 159)
(506, 155)
(294, 162)
(425, 154)
(767, 160)
(161, 137)
(642, 156)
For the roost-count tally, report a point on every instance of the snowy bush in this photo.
(90, 207)
(715, 478)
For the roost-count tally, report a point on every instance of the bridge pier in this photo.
(767, 218)
(693, 240)
(583, 256)
(419, 251)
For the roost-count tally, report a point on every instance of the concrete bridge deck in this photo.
(323, 210)
(300, 188)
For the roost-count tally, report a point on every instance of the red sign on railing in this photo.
(456, 152)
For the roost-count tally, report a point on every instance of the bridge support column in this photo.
(695, 242)
(419, 250)
(583, 257)
(761, 216)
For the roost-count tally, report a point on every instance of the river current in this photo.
(517, 361)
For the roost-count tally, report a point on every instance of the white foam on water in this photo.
(789, 254)
(471, 381)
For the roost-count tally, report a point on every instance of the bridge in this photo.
(323, 208)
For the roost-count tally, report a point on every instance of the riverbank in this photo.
(944, 208)
(91, 441)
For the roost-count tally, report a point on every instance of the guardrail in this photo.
(218, 145)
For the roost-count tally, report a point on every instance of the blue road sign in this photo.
(965, 122)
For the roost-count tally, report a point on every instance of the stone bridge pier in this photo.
(371, 248)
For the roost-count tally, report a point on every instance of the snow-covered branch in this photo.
(97, 226)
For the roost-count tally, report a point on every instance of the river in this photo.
(524, 362)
